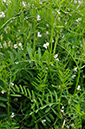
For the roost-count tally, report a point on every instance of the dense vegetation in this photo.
(42, 64)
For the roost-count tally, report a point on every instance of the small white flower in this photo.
(46, 45)
(3, 91)
(39, 35)
(75, 69)
(15, 46)
(62, 110)
(73, 76)
(12, 115)
(2, 15)
(65, 23)
(79, 19)
(78, 87)
(57, 59)
(40, 2)
(58, 12)
(38, 18)
(12, 84)
(43, 121)
(80, 2)
(72, 124)
(47, 32)
(75, 1)
(56, 55)
(20, 44)
(53, 40)
(4, 1)
(24, 3)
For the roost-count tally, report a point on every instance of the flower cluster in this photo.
(43, 121)
(55, 56)
(75, 69)
(62, 109)
(12, 84)
(4, 1)
(15, 46)
(78, 88)
(12, 115)
(2, 15)
(24, 3)
(58, 12)
(39, 35)
(38, 18)
(71, 125)
(46, 45)
(79, 19)
(20, 45)
(73, 76)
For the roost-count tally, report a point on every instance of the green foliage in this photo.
(42, 64)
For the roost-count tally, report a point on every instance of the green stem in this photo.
(8, 110)
(52, 29)
(78, 78)
(55, 44)
(8, 96)
(34, 30)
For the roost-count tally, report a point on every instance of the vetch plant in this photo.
(42, 62)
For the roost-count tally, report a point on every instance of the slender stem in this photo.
(8, 96)
(8, 109)
(55, 44)
(78, 78)
(34, 45)
(52, 29)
